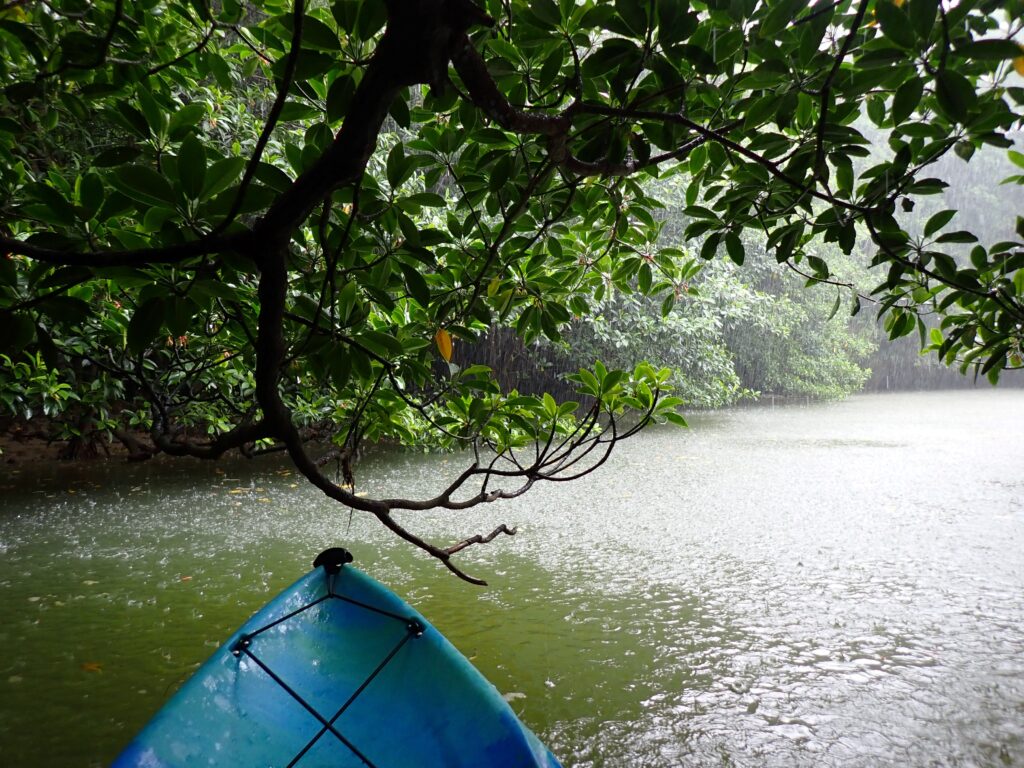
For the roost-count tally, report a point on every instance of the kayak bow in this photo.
(336, 671)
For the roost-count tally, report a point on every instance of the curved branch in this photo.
(238, 437)
(478, 539)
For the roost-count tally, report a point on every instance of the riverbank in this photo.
(17, 451)
(26, 444)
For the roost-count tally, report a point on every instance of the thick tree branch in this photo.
(238, 437)
(414, 49)
(171, 254)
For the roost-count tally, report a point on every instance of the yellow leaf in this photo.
(15, 13)
(1018, 64)
(443, 339)
(493, 286)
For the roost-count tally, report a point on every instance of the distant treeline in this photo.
(900, 366)
(742, 332)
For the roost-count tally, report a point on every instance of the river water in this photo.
(826, 585)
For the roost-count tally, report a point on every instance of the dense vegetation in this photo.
(249, 226)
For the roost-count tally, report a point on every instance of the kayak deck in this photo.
(337, 671)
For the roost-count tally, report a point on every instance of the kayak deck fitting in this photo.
(336, 671)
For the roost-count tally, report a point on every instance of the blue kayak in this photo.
(336, 671)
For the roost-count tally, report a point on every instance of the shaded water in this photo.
(830, 585)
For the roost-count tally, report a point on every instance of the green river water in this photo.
(825, 585)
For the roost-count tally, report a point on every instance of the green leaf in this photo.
(398, 166)
(734, 246)
(315, 34)
(339, 96)
(955, 93)
(221, 175)
(19, 331)
(675, 23)
(779, 16)
(297, 110)
(339, 364)
(961, 236)
(184, 119)
(964, 149)
(383, 344)
(221, 71)
(844, 173)
(760, 111)
(418, 287)
(372, 16)
(710, 246)
(835, 306)
(895, 24)
(876, 109)
(178, 313)
(143, 185)
(192, 167)
(906, 99)
(668, 304)
(348, 298)
(633, 14)
(116, 156)
(644, 278)
(922, 16)
(27, 37)
(937, 222)
(91, 194)
(427, 199)
(989, 50)
(8, 272)
(157, 117)
(63, 213)
(701, 60)
(145, 325)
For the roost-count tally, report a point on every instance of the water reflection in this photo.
(835, 585)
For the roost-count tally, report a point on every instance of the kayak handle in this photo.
(333, 559)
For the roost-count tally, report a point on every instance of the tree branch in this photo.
(171, 254)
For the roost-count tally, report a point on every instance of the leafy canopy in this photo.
(247, 225)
